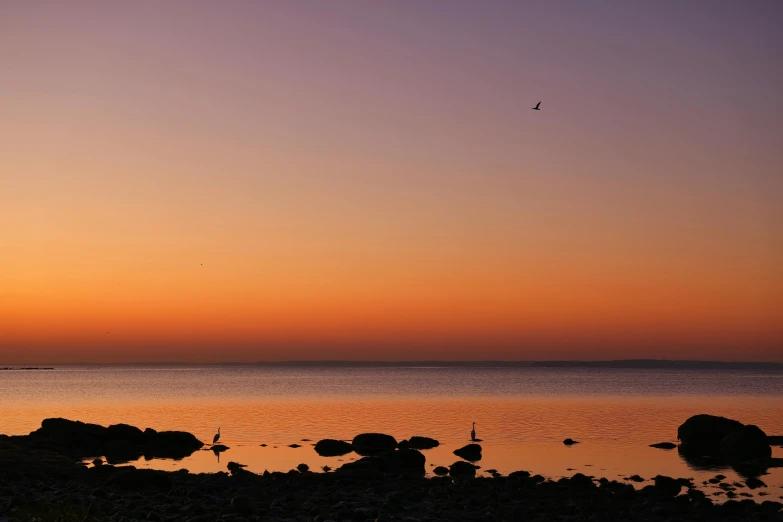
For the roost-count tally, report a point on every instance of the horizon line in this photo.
(628, 363)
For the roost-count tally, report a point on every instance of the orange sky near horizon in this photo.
(275, 182)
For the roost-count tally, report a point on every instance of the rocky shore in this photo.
(39, 481)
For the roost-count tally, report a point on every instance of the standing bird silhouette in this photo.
(473, 432)
(216, 437)
(536, 107)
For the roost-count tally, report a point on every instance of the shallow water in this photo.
(521, 414)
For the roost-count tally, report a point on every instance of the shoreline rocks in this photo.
(726, 439)
(119, 443)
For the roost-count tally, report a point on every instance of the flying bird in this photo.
(216, 437)
(536, 107)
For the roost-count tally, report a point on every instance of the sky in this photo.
(240, 181)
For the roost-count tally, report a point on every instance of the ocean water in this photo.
(522, 415)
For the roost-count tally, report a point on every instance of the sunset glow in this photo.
(269, 182)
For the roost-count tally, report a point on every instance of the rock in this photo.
(747, 443)
(471, 452)
(332, 448)
(97, 462)
(518, 475)
(118, 442)
(754, 483)
(422, 443)
(403, 444)
(581, 481)
(373, 443)
(570, 442)
(664, 445)
(326, 468)
(235, 467)
(303, 468)
(399, 461)
(441, 470)
(462, 469)
(243, 504)
(139, 479)
(703, 434)
(218, 448)
(667, 486)
(635, 478)
(294, 445)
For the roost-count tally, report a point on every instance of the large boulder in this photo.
(471, 452)
(747, 443)
(422, 443)
(332, 448)
(703, 434)
(727, 439)
(368, 444)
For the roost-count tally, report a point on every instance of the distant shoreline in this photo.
(628, 364)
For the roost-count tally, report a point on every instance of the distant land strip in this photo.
(633, 364)
(10, 368)
(624, 364)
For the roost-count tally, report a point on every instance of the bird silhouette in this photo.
(216, 437)
(473, 432)
(536, 107)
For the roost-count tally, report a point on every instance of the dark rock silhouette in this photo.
(667, 486)
(570, 442)
(422, 443)
(333, 448)
(302, 468)
(471, 452)
(462, 469)
(441, 470)
(746, 444)
(664, 445)
(368, 444)
(218, 448)
(582, 481)
(729, 440)
(236, 467)
(754, 483)
(407, 461)
(118, 443)
(519, 475)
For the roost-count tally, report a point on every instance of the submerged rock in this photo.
(333, 448)
(570, 442)
(422, 443)
(664, 445)
(219, 448)
(471, 452)
(373, 443)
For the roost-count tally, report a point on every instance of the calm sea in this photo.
(521, 414)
